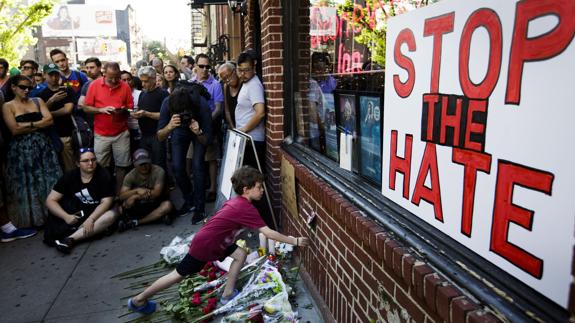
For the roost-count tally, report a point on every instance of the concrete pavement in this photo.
(39, 284)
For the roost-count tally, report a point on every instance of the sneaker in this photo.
(17, 234)
(167, 219)
(187, 211)
(198, 217)
(64, 245)
(124, 225)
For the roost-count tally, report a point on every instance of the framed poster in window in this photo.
(346, 115)
(330, 126)
(370, 126)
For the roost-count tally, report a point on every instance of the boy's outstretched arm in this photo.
(274, 235)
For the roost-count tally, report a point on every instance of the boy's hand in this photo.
(302, 242)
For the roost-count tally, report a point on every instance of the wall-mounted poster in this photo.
(330, 126)
(370, 124)
(347, 125)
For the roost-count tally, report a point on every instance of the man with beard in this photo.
(144, 195)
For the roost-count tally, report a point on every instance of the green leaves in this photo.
(17, 21)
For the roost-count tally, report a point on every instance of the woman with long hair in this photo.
(171, 77)
(31, 164)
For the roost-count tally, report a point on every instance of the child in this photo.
(216, 240)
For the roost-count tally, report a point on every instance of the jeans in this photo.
(156, 148)
(193, 196)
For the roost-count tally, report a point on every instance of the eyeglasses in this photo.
(28, 67)
(89, 160)
(203, 66)
(25, 87)
(86, 149)
(245, 70)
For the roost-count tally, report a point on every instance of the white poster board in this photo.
(234, 152)
(478, 131)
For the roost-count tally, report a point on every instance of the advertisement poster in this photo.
(478, 131)
(370, 117)
(330, 126)
(80, 21)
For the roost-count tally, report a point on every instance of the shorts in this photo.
(212, 152)
(118, 145)
(190, 265)
(141, 209)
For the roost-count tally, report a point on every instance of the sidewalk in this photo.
(41, 285)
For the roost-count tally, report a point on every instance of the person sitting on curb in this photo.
(216, 240)
(81, 204)
(143, 194)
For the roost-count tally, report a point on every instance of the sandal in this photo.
(225, 300)
(148, 308)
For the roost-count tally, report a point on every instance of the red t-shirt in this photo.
(100, 95)
(211, 242)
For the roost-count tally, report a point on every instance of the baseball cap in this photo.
(141, 156)
(49, 68)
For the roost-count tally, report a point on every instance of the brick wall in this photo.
(360, 272)
(272, 68)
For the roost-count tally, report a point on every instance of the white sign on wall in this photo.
(80, 21)
(478, 131)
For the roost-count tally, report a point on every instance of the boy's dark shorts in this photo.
(190, 265)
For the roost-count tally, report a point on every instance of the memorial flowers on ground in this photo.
(263, 294)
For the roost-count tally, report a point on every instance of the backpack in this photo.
(82, 135)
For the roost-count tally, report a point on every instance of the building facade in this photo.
(376, 187)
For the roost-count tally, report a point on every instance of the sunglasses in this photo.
(25, 87)
(203, 66)
(27, 67)
(86, 149)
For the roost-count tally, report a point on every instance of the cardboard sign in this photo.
(478, 134)
(288, 186)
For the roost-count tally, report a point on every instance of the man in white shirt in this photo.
(250, 111)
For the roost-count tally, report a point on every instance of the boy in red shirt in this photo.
(216, 240)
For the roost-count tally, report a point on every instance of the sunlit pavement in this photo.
(39, 284)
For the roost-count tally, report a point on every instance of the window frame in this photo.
(457, 263)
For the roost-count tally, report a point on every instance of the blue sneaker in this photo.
(17, 234)
(225, 300)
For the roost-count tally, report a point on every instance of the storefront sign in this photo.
(478, 135)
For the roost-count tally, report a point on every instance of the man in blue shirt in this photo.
(205, 78)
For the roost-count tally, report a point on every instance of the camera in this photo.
(185, 119)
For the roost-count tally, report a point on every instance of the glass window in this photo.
(339, 92)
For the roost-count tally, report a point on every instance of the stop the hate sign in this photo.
(478, 131)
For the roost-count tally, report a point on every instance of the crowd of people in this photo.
(156, 128)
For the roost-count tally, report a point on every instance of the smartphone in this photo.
(62, 88)
(79, 214)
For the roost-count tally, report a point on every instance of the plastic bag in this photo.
(176, 250)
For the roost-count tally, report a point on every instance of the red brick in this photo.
(358, 316)
(407, 274)
(398, 254)
(380, 239)
(481, 316)
(419, 273)
(388, 258)
(383, 279)
(460, 306)
(363, 256)
(443, 301)
(431, 283)
(414, 311)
